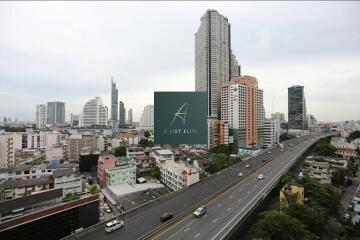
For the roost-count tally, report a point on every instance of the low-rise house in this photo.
(124, 172)
(162, 156)
(134, 152)
(318, 170)
(177, 175)
(69, 180)
(129, 138)
(12, 189)
(291, 193)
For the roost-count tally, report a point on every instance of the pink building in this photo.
(242, 107)
(105, 161)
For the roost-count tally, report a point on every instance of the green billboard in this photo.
(180, 117)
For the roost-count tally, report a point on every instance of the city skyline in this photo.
(72, 59)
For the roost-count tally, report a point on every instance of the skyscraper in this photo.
(40, 116)
(147, 117)
(122, 114)
(278, 116)
(130, 117)
(114, 103)
(55, 112)
(94, 113)
(213, 58)
(242, 107)
(297, 117)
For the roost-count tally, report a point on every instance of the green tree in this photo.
(349, 232)
(287, 178)
(285, 136)
(93, 189)
(357, 151)
(155, 172)
(325, 149)
(312, 219)
(321, 197)
(338, 177)
(147, 134)
(226, 149)
(120, 151)
(146, 143)
(354, 135)
(218, 162)
(276, 226)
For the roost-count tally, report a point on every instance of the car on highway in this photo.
(291, 149)
(269, 151)
(108, 210)
(113, 225)
(200, 211)
(264, 160)
(247, 166)
(240, 174)
(261, 177)
(166, 216)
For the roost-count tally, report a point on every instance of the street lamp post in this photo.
(126, 210)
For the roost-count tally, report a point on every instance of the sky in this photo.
(68, 51)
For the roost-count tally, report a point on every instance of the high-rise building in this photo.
(94, 113)
(235, 67)
(55, 112)
(312, 122)
(122, 114)
(114, 103)
(271, 132)
(40, 116)
(297, 117)
(7, 151)
(218, 132)
(242, 107)
(214, 64)
(147, 117)
(74, 120)
(279, 116)
(130, 117)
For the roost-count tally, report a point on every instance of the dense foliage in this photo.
(226, 149)
(155, 172)
(120, 151)
(146, 143)
(285, 136)
(354, 135)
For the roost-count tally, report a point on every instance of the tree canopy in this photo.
(218, 162)
(285, 136)
(146, 143)
(120, 151)
(226, 149)
(274, 225)
(155, 172)
(325, 149)
(353, 135)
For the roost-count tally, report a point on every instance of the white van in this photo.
(113, 225)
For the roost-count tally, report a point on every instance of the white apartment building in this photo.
(67, 179)
(135, 152)
(271, 132)
(41, 117)
(123, 173)
(162, 156)
(57, 152)
(49, 138)
(177, 175)
(26, 140)
(129, 138)
(94, 113)
(147, 118)
(7, 150)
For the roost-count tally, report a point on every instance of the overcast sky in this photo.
(56, 51)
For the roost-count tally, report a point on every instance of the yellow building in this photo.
(291, 193)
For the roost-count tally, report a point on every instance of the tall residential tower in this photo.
(55, 112)
(214, 60)
(114, 103)
(40, 116)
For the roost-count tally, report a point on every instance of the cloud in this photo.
(69, 51)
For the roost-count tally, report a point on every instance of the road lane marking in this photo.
(197, 235)
(228, 209)
(187, 229)
(214, 221)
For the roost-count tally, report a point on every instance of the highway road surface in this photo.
(222, 210)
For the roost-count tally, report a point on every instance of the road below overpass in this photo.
(222, 210)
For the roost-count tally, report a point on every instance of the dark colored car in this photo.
(264, 160)
(166, 216)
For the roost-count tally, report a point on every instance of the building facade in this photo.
(177, 175)
(242, 107)
(147, 117)
(77, 142)
(114, 103)
(94, 113)
(106, 161)
(7, 151)
(130, 117)
(278, 116)
(41, 118)
(271, 132)
(56, 113)
(123, 173)
(213, 58)
(297, 117)
(122, 114)
(218, 132)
